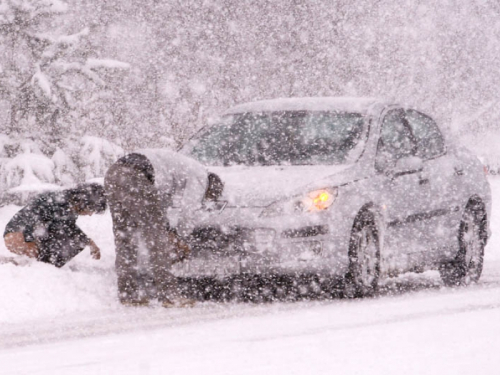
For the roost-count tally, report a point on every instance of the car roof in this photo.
(338, 104)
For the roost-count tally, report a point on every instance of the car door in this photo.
(401, 192)
(437, 183)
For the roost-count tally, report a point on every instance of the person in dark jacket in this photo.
(46, 228)
(140, 189)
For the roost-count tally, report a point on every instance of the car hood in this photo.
(260, 186)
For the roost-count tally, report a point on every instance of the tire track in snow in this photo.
(351, 314)
(128, 320)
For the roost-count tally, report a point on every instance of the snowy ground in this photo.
(68, 321)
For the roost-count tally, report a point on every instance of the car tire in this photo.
(363, 275)
(467, 266)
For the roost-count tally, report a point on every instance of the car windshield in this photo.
(281, 138)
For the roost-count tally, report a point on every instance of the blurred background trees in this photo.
(141, 73)
(55, 91)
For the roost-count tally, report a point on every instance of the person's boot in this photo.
(135, 302)
(129, 293)
(133, 299)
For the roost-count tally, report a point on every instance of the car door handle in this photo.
(423, 181)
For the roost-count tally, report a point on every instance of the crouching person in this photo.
(46, 228)
(140, 187)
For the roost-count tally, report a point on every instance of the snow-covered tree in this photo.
(96, 155)
(58, 94)
(52, 79)
(27, 172)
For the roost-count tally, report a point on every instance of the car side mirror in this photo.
(407, 165)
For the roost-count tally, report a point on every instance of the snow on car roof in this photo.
(341, 104)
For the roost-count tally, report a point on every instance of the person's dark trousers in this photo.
(139, 220)
(58, 247)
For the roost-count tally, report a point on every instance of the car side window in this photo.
(396, 140)
(429, 138)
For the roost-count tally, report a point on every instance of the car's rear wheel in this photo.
(364, 257)
(467, 266)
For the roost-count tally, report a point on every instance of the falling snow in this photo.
(83, 83)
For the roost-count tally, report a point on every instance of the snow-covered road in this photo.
(68, 322)
(426, 332)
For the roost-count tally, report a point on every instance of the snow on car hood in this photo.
(260, 186)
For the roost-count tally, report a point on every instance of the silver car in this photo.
(357, 188)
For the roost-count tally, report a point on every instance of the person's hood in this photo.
(260, 186)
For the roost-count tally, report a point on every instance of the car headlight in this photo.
(313, 201)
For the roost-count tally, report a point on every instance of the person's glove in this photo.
(95, 252)
(182, 249)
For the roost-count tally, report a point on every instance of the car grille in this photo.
(310, 231)
(216, 240)
(229, 240)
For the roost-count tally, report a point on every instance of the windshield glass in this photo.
(281, 138)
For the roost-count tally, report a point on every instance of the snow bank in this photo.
(38, 290)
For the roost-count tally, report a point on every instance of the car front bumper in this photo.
(224, 251)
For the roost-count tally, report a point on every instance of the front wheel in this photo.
(364, 257)
(467, 266)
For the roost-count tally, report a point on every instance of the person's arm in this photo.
(81, 237)
(28, 234)
(182, 248)
(192, 200)
(95, 252)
